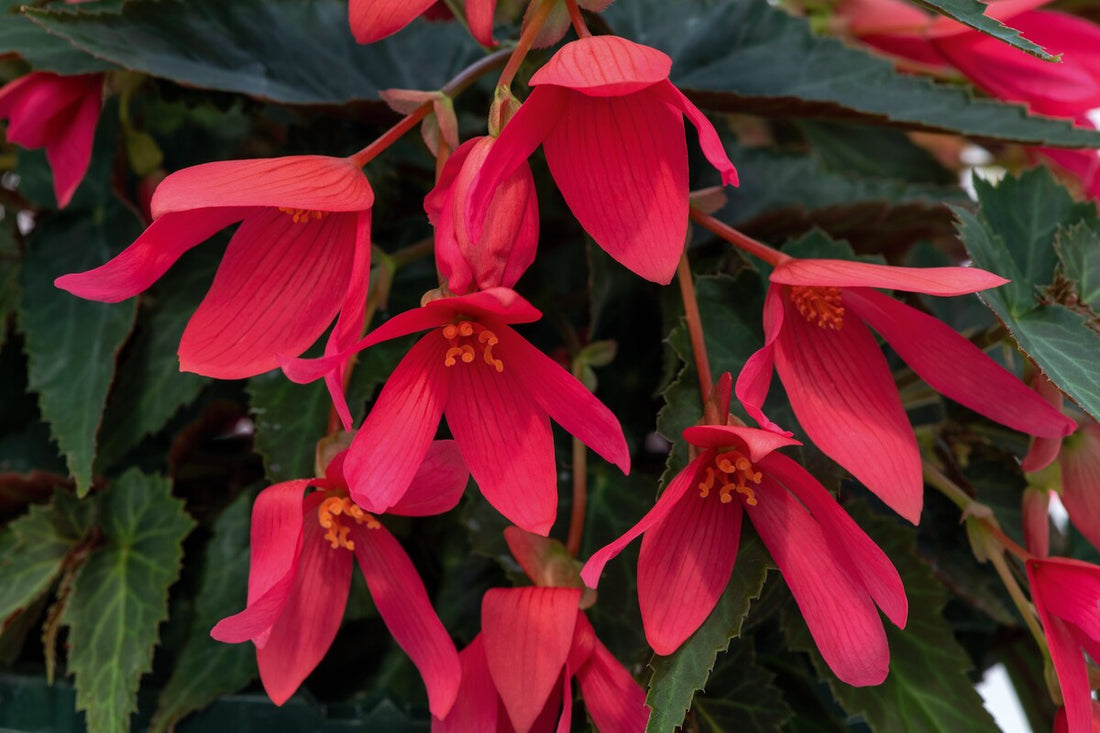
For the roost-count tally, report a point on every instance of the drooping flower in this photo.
(509, 235)
(816, 319)
(611, 124)
(373, 20)
(1066, 593)
(300, 256)
(58, 113)
(300, 572)
(498, 393)
(836, 573)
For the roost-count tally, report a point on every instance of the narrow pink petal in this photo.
(389, 448)
(350, 323)
(758, 443)
(713, 149)
(506, 441)
(847, 274)
(755, 378)
(442, 211)
(403, 604)
(438, 483)
(685, 565)
(567, 401)
(1069, 589)
(143, 262)
(479, 16)
(277, 289)
(306, 182)
(311, 617)
(565, 720)
(956, 368)
(844, 396)
(604, 145)
(865, 560)
(477, 703)
(1080, 464)
(615, 701)
(70, 154)
(683, 483)
(1036, 520)
(373, 20)
(527, 632)
(604, 66)
(1043, 451)
(841, 616)
(276, 542)
(1069, 665)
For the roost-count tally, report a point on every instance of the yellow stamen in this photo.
(734, 472)
(820, 306)
(460, 334)
(337, 531)
(301, 216)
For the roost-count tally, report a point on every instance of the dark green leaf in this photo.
(743, 695)
(1078, 251)
(972, 13)
(281, 50)
(120, 596)
(43, 50)
(874, 152)
(9, 279)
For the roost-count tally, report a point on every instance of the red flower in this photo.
(1066, 594)
(498, 393)
(816, 319)
(58, 113)
(373, 20)
(300, 256)
(611, 124)
(836, 573)
(300, 574)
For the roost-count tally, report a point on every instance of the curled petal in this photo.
(758, 443)
(438, 483)
(373, 20)
(755, 378)
(711, 144)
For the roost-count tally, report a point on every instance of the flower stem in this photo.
(972, 509)
(526, 40)
(1023, 605)
(580, 497)
(577, 19)
(743, 242)
(698, 343)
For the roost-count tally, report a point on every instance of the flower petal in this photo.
(477, 703)
(373, 20)
(615, 701)
(1080, 463)
(847, 274)
(479, 17)
(956, 368)
(713, 149)
(70, 153)
(755, 378)
(1069, 665)
(758, 443)
(1043, 451)
(403, 604)
(350, 323)
(604, 66)
(527, 632)
(1069, 589)
(438, 483)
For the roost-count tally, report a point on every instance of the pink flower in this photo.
(373, 20)
(1066, 594)
(300, 256)
(611, 124)
(1061, 724)
(301, 570)
(510, 232)
(816, 319)
(58, 113)
(836, 573)
(498, 393)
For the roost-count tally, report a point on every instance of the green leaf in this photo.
(120, 596)
(743, 695)
(678, 676)
(972, 13)
(72, 343)
(928, 688)
(750, 57)
(1078, 251)
(205, 668)
(1014, 235)
(280, 50)
(39, 543)
(875, 152)
(43, 50)
(9, 279)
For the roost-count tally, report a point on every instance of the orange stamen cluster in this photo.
(466, 339)
(733, 472)
(301, 216)
(329, 513)
(821, 306)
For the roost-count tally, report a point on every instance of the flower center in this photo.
(733, 473)
(301, 216)
(333, 514)
(821, 306)
(467, 338)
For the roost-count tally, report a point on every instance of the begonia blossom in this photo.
(611, 125)
(300, 572)
(58, 113)
(818, 316)
(300, 256)
(373, 20)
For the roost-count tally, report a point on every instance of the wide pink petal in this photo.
(1080, 463)
(373, 20)
(479, 17)
(840, 614)
(306, 182)
(277, 289)
(684, 566)
(681, 484)
(143, 262)
(276, 542)
(40, 107)
(566, 400)
(403, 604)
(843, 394)
(847, 273)
(438, 483)
(755, 378)
(615, 701)
(70, 153)
(864, 559)
(1069, 589)
(713, 149)
(389, 448)
(506, 441)
(604, 66)
(528, 632)
(758, 443)
(956, 368)
(605, 146)
(477, 703)
(310, 618)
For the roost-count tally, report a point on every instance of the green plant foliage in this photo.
(44, 51)
(1078, 251)
(747, 697)
(972, 13)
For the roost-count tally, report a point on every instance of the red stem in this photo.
(743, 242)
